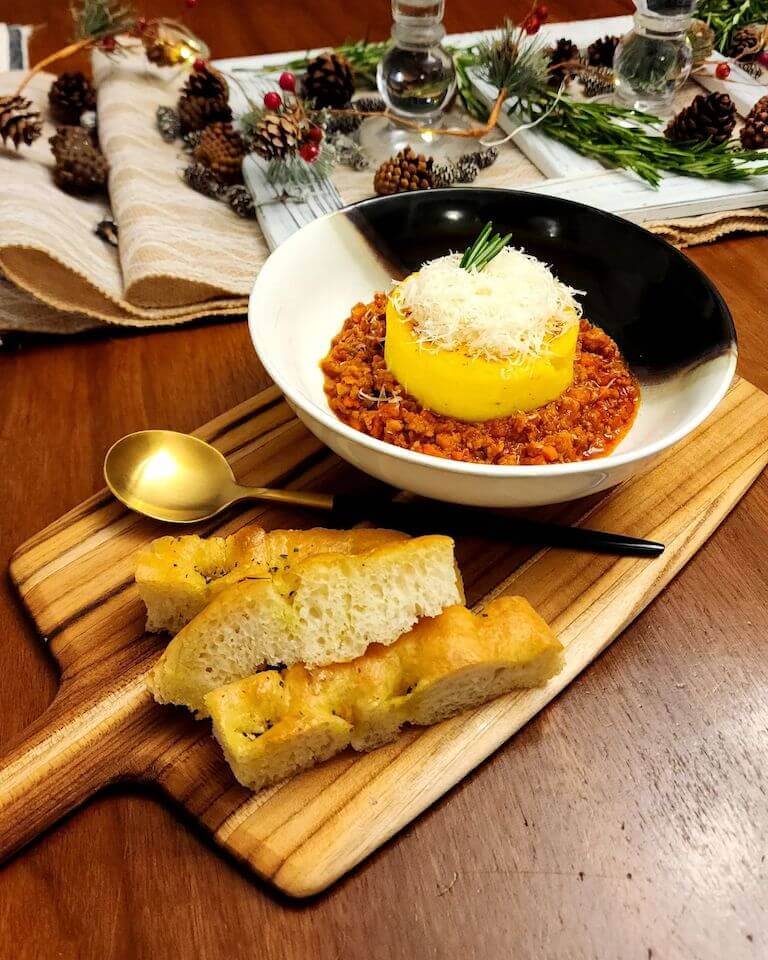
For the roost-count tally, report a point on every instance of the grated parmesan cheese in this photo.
(508, 311)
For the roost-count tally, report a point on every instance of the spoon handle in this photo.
(300, 498)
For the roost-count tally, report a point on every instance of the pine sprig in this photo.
(514, 62)
(488, 245)
(101, 18)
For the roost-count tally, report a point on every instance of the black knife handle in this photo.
(431, 516)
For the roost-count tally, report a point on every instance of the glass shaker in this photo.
(654, 59)
(416, 79)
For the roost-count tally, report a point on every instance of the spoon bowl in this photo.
(170, 476)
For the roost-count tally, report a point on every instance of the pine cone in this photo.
(221, 149)
(168, 123)
(328, 81)
(710, 117)
(483, 158)
(600, 53)
(754, 133)
(753, 69)
(406, 171)
(702, 40)
(349, 122)
(276, 136)
(204, 99)
(80, 166)
(201, 179)
(597, 81)
(19, 123)
(565, 51)
(70, 95)
(747, 42)
(240, 200)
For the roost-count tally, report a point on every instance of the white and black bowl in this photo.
(668, 319)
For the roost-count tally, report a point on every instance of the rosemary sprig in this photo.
(486, 246)
(624, 138)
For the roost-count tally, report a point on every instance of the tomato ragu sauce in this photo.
(586, 421)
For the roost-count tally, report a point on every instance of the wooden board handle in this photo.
(73, 750)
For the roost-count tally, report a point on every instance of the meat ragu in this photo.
(586, 421)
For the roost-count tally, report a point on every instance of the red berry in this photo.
(541, 12)
(109, 44)
(190, 4)
(722, 71)
(309, 152)
(199, 65)
(315, 134)
(532, 25)
(762, 58)
(272, 100)
(287, 81)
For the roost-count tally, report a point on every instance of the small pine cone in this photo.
(328, 81)
(19, 123)
(168, 123)
(349, 122)
(404, 172)
(752, 69)
(200, 178)
(482, 158)
(240, 200)
(600, 53)
(710, 117)
(564, 52)
(81, 168)
(597, 81)
(107, 231)
(444, 174)
(204, 99)
(276, 136)
(702, 40)
(69, 95)
(754, 133)
(221, 149)
(466, 170)
(747, 42)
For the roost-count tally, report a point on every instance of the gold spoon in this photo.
(175, 477)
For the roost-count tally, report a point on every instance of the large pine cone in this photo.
(70, 95)
(204, 99)
(710, 117)
(565, 51)
(406, 171)
(221, 149)
(328, 81)
(600, 53)
(754, 133)
(276, 136)
(19, 123)
(80, 166)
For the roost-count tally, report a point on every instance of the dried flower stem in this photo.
(67, 51)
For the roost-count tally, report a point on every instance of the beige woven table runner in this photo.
(181, 256)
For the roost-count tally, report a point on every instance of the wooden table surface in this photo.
(627, 821)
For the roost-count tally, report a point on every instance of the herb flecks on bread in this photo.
(178, 576)
(279, 722)
(325, 609)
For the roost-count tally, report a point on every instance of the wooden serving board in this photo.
(76, 580)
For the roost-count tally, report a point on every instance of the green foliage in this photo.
(513, 62)
(727, 16)
(101, 18)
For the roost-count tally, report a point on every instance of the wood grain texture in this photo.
(76, 580)
(627, 820)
